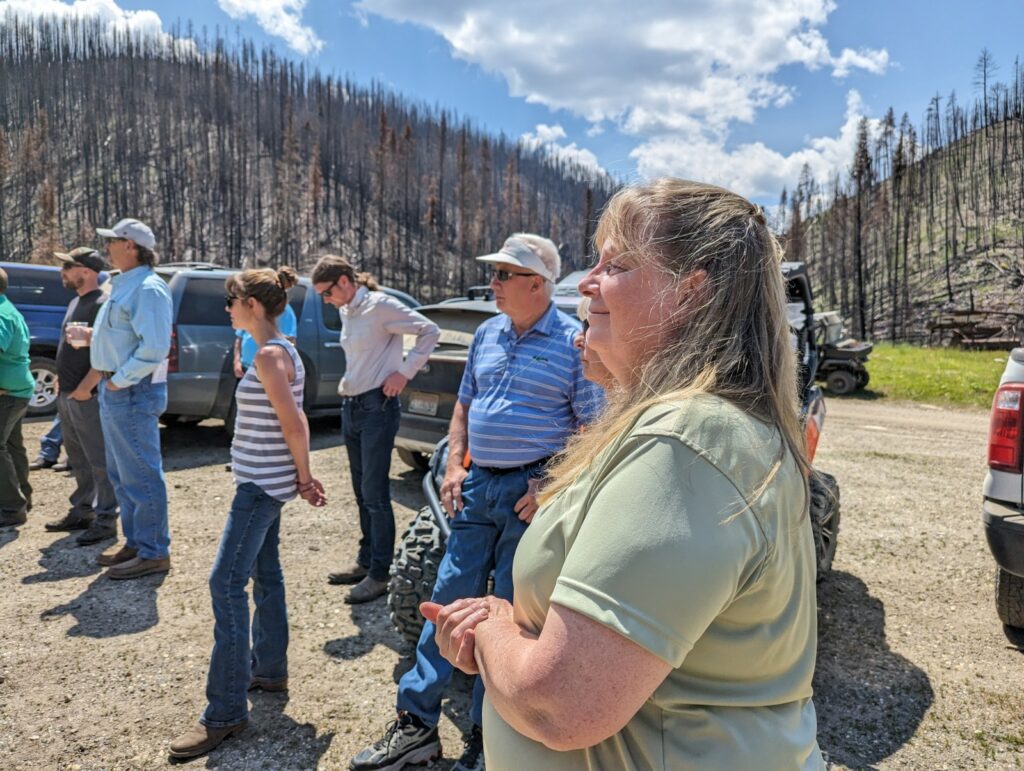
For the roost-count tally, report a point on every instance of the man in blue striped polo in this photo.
(523, 394)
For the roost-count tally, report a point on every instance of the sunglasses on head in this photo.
(505, 275)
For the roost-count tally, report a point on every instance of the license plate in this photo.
(423, 404)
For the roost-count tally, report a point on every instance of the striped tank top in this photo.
(259, 453)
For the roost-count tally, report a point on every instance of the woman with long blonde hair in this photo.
(664, 610)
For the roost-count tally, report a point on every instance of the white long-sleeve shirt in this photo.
(372, 328)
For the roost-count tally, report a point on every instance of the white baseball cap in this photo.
(131, 229)
(534, 253)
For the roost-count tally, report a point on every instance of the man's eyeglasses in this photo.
(505, 275)
(327, 292)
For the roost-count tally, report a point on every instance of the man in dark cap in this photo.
(93, 503)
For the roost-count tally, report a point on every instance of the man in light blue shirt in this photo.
(523, 394)
(130, 341)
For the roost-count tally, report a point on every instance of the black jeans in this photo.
(15, 491)
(369, 422)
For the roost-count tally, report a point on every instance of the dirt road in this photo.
(914, 669)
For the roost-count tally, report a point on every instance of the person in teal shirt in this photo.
(16, 388)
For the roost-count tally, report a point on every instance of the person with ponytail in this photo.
(270, 462)
(664, 612)
(374, 325)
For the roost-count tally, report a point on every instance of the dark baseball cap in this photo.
(84, 256)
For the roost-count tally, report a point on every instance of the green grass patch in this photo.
(941, 376)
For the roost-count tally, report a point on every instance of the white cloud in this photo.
(107, 12)
(675, 74)
(548, 138)
(280, 18)
(753, 169)
(866, 59)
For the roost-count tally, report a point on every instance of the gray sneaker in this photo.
(472, 758)
(407, 741)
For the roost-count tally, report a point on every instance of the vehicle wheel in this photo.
(824, 520)
(44, 372)
(1010, 598)
(841, 382)
(863, 378)
(413, 573)
(417, 460)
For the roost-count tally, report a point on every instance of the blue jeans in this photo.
(369, 423)
(248, 547)
(49, 445)
(484, 536)
(134, 466)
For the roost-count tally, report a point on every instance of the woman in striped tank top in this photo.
(270, 459)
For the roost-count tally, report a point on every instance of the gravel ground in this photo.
(914, 669)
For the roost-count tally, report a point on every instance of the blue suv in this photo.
(38, 292)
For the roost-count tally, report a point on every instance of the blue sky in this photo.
(737, 92)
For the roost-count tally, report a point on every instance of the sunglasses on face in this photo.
(505, 275)
(327, 292)
(229, 300)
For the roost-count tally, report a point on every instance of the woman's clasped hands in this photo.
(456, 623)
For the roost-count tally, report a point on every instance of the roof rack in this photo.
(195, 265)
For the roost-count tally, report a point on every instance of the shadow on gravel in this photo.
(8, 535)
(375, 628)
(1015, 637)
(869, 700)
(272, 740)
(112, 608)
(64, 559)
(407, 489)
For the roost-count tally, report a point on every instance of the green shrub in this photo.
(942, 376)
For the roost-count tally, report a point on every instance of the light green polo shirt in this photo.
(15, 377)
(665, 541)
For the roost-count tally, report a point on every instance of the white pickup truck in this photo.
(1003, 505)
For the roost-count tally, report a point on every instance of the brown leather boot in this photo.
(270, 686)
(123, 554)
(350, 574)
(137, 567)
(201, 739)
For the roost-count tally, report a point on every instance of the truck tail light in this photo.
(172, 354)
(1006, 429)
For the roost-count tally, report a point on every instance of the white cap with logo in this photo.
(534, 253)
(131, 229)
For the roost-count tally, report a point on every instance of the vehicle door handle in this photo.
(332, 345)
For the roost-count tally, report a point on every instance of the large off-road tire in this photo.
(413, 573)
(44, 400)
(417, 460)
(1010, 598)
(824, 520)
(863, 378)
(841, 382)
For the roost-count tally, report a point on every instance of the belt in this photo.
(514, 469)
